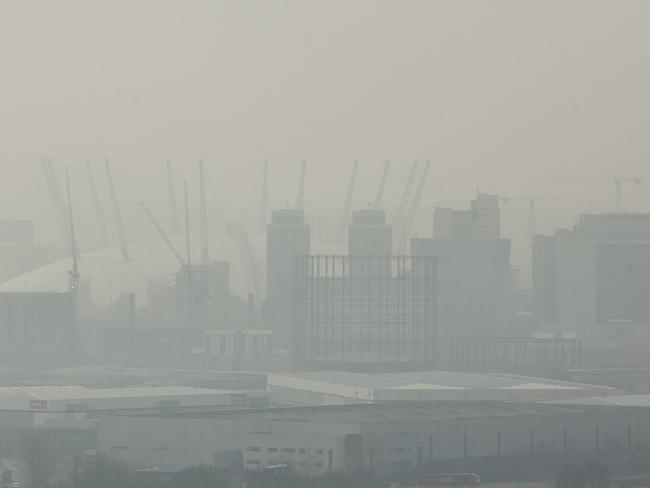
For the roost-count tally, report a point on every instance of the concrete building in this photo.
(593, 276)
(487, 216)
(380, 437)
(365, 312)
(288, 236)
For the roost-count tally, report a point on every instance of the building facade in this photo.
(365, 312)
(288, 236)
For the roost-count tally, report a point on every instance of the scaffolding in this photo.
(365, 312)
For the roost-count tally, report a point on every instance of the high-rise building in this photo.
(597, 274)
(288, 236)
(381, 316)
(369, 235)
(487, 216)
(473, 272)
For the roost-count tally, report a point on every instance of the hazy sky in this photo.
(498, 94)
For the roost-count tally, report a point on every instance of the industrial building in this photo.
(365, 312)
(380, 437)
(288, 236)
(79, 408)
(595, 275)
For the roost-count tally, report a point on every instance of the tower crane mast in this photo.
(171, 192)
(347, 207)
(401, 210)
(413, 210)
(300, 197)
(99, 214)
(203, 207)
(60, 218)
(265, 198)
(382, 184)
(117, 213)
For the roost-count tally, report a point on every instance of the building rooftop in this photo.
(332, 387)
(58, 397)
(387, 412)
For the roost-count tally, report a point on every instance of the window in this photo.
(253, 449)
(272, 449)
(288, 449)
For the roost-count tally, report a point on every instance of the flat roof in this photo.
(361, 385)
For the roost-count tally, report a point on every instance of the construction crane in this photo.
(99, 214)
(382, 184)
(203, 208)
(59, 202)
(618, 185)
(74, 272)
(531, 203)
(191, 283)
(265, 198)
(413, 210)
(173, 210)
(236, 230)
(347, 207)
(60, 219)
(398, 223)
(117, 214)
(300, 197)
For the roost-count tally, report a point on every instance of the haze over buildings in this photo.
(291, 244)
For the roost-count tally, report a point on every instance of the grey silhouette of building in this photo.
(288, 236)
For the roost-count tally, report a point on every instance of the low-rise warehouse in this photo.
(380, 436)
